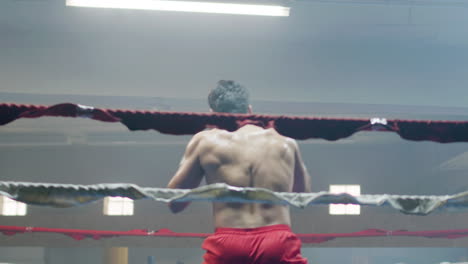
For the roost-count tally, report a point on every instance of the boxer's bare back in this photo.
(248, 157)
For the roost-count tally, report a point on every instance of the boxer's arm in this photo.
(190, 172)
(301, 176)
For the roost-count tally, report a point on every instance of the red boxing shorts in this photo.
(275, 244)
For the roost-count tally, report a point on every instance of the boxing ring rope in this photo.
(79, 234)
(60, 195)
(177, 123)
(67, 195)
(180, 123)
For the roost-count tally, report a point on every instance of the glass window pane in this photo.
(345, 209)
(118, 206)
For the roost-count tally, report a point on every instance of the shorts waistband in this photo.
(255, 230)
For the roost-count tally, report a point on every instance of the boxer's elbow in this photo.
(177, 207)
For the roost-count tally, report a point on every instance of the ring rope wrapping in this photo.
(67, 195)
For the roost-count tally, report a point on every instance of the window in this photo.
(118, 206)
(11, 207)
(345, 209)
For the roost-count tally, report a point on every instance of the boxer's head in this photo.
(229, 97)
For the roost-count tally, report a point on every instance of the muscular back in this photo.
(248, 157)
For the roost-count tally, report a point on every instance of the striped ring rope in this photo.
(68, 195)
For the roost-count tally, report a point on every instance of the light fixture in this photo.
(185, 6)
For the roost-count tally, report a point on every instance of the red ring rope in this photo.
(79, 234)
(179, 123)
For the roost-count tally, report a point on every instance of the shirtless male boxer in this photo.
(246, 233)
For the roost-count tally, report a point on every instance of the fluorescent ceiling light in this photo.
(185, 6)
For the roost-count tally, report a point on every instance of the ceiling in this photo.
(359, 52)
